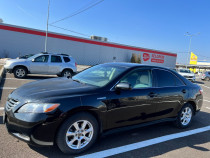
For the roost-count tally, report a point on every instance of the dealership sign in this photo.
(155, 58)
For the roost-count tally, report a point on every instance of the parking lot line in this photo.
(143, 144)
(19, 79)
(206, 101)
(7, 88)
(208, 108)
(1, 108)
(204, 86)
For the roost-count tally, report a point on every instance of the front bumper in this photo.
(34, 129)
(8, 68)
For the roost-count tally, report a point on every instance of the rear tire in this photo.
(67, 73)
(207, 79)
(20, 72)
(77, 134)
(184, 117)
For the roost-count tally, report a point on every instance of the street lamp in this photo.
(45, 46)
(190, 35)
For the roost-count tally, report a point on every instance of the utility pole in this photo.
(45, 46)
(189, 52)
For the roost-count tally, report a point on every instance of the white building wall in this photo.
(15, 43)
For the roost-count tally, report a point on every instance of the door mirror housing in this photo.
(33, 60)
(123, 86)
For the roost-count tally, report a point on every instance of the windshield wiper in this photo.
(78, 81)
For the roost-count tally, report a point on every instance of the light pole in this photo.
(190, 35)
(45, 46)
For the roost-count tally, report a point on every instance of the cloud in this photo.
(24, 11)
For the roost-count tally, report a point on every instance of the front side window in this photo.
(139, 79)
(167, 79)
(42, 58)
(99, 75)
(56, 59)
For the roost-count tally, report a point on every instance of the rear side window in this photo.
(167, 79)
(56, 59)
(66, 59)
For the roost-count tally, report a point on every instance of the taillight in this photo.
(201, 91)
(75, 64)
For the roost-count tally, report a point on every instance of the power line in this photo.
(69, 30)
(78, 12)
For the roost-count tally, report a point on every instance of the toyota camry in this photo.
(72, 113)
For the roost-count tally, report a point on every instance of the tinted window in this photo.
(167, 79)
(99, 75)
(42, 58)
(178, 81)
(185, 71)
(139, 79)
(56, 59)
(66, 59)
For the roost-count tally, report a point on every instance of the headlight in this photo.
(38, 107)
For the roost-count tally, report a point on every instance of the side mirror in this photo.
(124, 86)
(32, 60)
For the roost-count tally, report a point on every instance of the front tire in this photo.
(184, 117)
(20, 72)
(77, 134)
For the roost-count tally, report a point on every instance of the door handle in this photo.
(184, 91)
(152, 95)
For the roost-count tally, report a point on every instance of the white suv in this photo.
(43, 63)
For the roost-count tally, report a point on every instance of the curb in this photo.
(2, 71)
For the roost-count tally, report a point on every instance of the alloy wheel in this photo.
(67, 74)
(79, 134)
(20, 72)
(186, 116)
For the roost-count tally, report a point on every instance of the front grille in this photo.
(11, 103)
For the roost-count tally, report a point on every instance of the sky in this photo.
(154, 24)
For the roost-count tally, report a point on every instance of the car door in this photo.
(55, 65)
(171, 92)
(39, 65)
(127, 107)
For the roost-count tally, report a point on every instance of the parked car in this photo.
(72, 113)
(43, 63)
(187, 74)
(205, 76)
(25, 56)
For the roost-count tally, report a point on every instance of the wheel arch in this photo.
(85, 109)
(20, 66)
(67, 69)
(193, 105)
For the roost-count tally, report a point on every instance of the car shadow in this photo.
(40, 77)
(141, 134)
(199, 82)
(1, 120)
(2, 85)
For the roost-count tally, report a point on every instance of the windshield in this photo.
(99, 75)
(32, 57)
(184, 71)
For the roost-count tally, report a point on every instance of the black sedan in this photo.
(72, 113)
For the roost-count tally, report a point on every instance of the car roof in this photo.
(65, 55)
(132, 65)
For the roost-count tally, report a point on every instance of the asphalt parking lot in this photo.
(160, 140)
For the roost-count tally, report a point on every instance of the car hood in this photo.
(51, 88)
(16, 60)
(186, 74)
